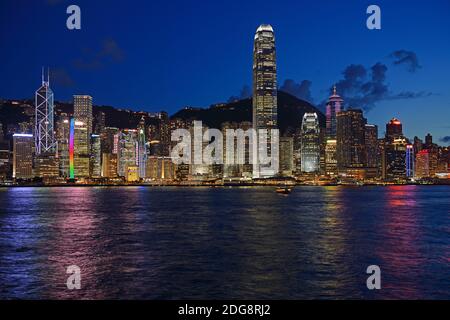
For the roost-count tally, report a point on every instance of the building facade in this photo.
(310, 149)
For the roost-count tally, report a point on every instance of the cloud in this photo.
(246, 92)
(109, 52)
(445, 139)
(300, 90)
(363, 87)
(60, 77)
(406, 57)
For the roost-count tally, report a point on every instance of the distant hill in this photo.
(290, 113)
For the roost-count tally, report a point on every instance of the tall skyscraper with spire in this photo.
(264, 79)
(335, 105)
(265, 113)
(142, 149)
(44, 118)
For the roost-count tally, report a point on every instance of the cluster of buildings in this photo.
(78, 147)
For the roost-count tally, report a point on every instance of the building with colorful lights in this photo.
(422, 164)
(80, 150)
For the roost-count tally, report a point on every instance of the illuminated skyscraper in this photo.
(286, 156)
(127, 154)
(95, 157)
(350, 138)
(142, 148)
(44, 114)
(330, 157)
(395, 154)
(81, 148)
(371, 142)
(82, 107)
(335, 105)
(62, 139)
(409, 161)
(264, 87)
(264, 79)
(310, 152)
(394, 130)
(422, 164)
(23, 156)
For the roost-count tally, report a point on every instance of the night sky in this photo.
(154, 55)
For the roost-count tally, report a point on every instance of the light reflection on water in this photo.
(212, 243)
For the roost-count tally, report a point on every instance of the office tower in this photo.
(381, 165)
(62, 140)
(109, 165)
(198, 171)
(46, 166)
(310, 152)
(330, 157)
(422, 164)
(109, 147)
(82, 105)
(394, 130)
(286, 156)
(334, 105)
(127, 151)
(100, 122)
(23, 156)
(231, 167)
(110, 140)
(44, 119)
(395, 154)
(79, 149)
(418, 145)
(433, 154)
(371, 142)
(5, 163)
(142, 148)
(95, 157)
(409, 161)
(350, 139)
(165, 134)
(264, 89)
(160, 169)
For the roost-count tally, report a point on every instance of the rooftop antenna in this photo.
(48, 76)
(334, 90)
(42, 75)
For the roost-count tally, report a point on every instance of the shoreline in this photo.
(210, 185)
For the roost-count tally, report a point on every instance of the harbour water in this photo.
(225, 243)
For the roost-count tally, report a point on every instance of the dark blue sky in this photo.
(153, 55)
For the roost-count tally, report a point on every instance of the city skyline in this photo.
(412, 69)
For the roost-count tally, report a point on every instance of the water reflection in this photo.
(231, 243)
